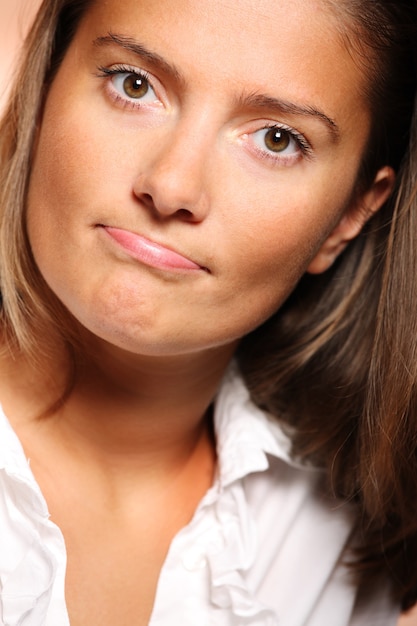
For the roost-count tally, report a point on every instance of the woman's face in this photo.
(194, 159)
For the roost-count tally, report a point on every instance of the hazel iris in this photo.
(277, 139)
(135, 86)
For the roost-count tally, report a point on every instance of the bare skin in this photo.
(409, 618)
(116, 470)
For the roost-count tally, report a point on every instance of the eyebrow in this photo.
(131, 45)
(255, 100)
(260, 101)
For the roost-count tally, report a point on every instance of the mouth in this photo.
(151, 253)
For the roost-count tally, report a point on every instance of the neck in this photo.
(146, 402)
(125, 408)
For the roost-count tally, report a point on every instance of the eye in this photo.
(130, 85)
(278, 140)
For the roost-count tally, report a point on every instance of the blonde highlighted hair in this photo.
(29, 310)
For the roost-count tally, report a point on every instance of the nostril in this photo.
(167, 196)
(185, 214)
(147, 199)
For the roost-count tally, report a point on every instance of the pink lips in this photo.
(149, 252)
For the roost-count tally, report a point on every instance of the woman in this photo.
(171, 172)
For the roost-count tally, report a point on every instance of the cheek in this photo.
(271, 244)
(79, 153)
(279, 241)
(72, 177)
(66, 166)
(265, 268)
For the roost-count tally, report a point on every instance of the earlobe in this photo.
(353, 220)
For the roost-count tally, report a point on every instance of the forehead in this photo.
(290, 48)
(263, 34)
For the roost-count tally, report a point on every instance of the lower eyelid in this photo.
(280, 160)
(118, 99)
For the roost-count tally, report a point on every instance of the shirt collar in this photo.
(245, 434)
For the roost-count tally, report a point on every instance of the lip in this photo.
(149, 252)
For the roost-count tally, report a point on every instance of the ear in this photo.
(353, 220)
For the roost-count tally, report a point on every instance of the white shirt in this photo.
(261, 550)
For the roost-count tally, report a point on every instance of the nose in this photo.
(174, 180)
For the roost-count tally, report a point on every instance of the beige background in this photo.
(15, 16)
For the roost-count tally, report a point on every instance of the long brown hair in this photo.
(339, 361)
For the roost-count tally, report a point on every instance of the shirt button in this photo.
(194, 559)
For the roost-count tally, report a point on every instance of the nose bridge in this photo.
(176, 176)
